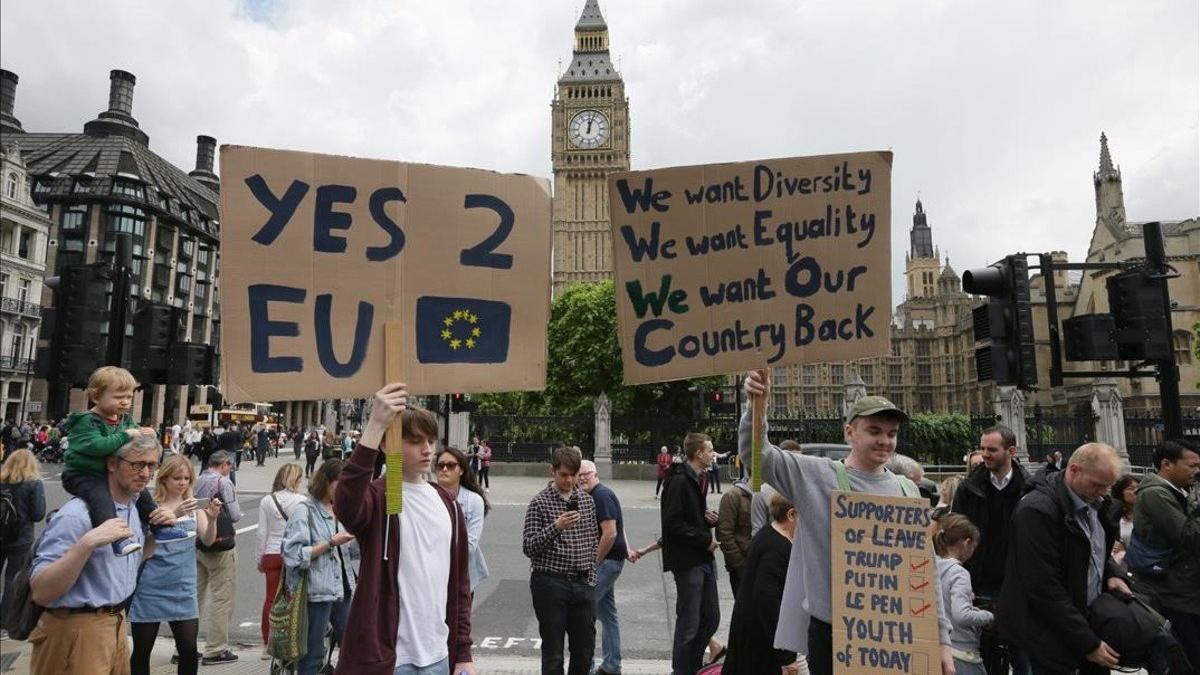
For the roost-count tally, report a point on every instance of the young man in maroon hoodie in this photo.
(411, 612)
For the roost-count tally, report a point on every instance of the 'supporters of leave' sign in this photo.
(318, 251)
(725, 267)
(884, 598)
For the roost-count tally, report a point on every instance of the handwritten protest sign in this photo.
(884, 598)
(725, 267)
(318, 252)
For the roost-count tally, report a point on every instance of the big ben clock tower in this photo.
(589, 139)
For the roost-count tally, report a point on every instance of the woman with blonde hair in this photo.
(166, 589)
(21, 482)
(273, 513)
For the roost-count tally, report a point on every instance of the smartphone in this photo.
(573, 505)
(203, 502)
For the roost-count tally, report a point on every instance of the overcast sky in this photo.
(993, 109)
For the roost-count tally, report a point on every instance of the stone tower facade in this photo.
(589, 139)
(1110, 198)
(921, 263)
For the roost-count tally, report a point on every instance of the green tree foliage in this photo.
(585, 361)
(940, 438)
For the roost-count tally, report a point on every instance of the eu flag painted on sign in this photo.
(462, 330)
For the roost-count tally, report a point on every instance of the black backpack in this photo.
(23, 613)
(10, 517)
(1137, 631)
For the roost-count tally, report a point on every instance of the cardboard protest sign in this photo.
(318, 252)
(885, 616)
(725, 267)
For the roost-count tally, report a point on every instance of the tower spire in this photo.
(1106, 165)
(921, 237)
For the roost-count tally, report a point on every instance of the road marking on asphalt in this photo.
(247, 528)
(509, 643)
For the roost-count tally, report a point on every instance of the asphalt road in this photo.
(504, 624)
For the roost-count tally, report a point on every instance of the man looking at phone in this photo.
(687, 546)
(560, 539)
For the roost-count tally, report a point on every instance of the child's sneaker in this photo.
(125, 547)
(169, 533)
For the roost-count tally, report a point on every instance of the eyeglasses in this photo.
(141, 466)
(446, 466)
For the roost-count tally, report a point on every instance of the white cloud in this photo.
(993, 109)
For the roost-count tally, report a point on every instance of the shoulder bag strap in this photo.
(843, 480)
(280, 508)
(907, 487)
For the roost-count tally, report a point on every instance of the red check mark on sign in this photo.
(920, 611)
(913, 585)
(917, 567)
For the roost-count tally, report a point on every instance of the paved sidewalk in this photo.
(251, 663)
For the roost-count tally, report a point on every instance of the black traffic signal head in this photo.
(191, 363)
(460, 404)
(156, 328)
(992, 281)
(76, 323)
(1137, 302)
(1089, 337)
(1005, 323)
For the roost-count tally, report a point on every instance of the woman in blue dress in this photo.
(166, 588)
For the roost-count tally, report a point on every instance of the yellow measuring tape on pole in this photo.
(393, 365)
(756, 447)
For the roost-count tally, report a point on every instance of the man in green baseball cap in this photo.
(808, 481)
(869, 406)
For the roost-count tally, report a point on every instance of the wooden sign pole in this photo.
(393, 365)
(757, 403)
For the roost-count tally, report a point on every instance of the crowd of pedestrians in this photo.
(1028, 563)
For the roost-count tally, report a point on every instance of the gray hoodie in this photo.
(808, 482)
(966, 620)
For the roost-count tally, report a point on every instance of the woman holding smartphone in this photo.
(166, 590)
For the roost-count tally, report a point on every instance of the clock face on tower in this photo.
(588, 129)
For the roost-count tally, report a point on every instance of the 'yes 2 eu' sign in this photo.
(318, 251)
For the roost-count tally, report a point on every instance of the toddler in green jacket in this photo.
(94, 435)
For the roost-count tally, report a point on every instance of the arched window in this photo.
(10, 185)
(1183, 347)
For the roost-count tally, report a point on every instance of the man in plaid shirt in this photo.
(560, 538)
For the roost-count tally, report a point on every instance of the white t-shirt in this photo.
(425, 531)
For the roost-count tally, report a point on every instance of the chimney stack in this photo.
(118, 119)
(206, 148)
(120, 92)
(8, 96)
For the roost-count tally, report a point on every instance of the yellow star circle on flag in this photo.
(469, 338)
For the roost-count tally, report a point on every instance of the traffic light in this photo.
(1005, 323)
(460, 404)
(1089, 337)
(192, 363)
(161, 357)
(719, 406)
(76, 324)
(1135, 299)
(155, 328)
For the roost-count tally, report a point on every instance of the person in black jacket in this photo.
(988, 496)
(756, 609)
(687, 547)
(21, 481)
(1059, 563)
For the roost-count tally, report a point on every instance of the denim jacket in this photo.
(309, 524)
